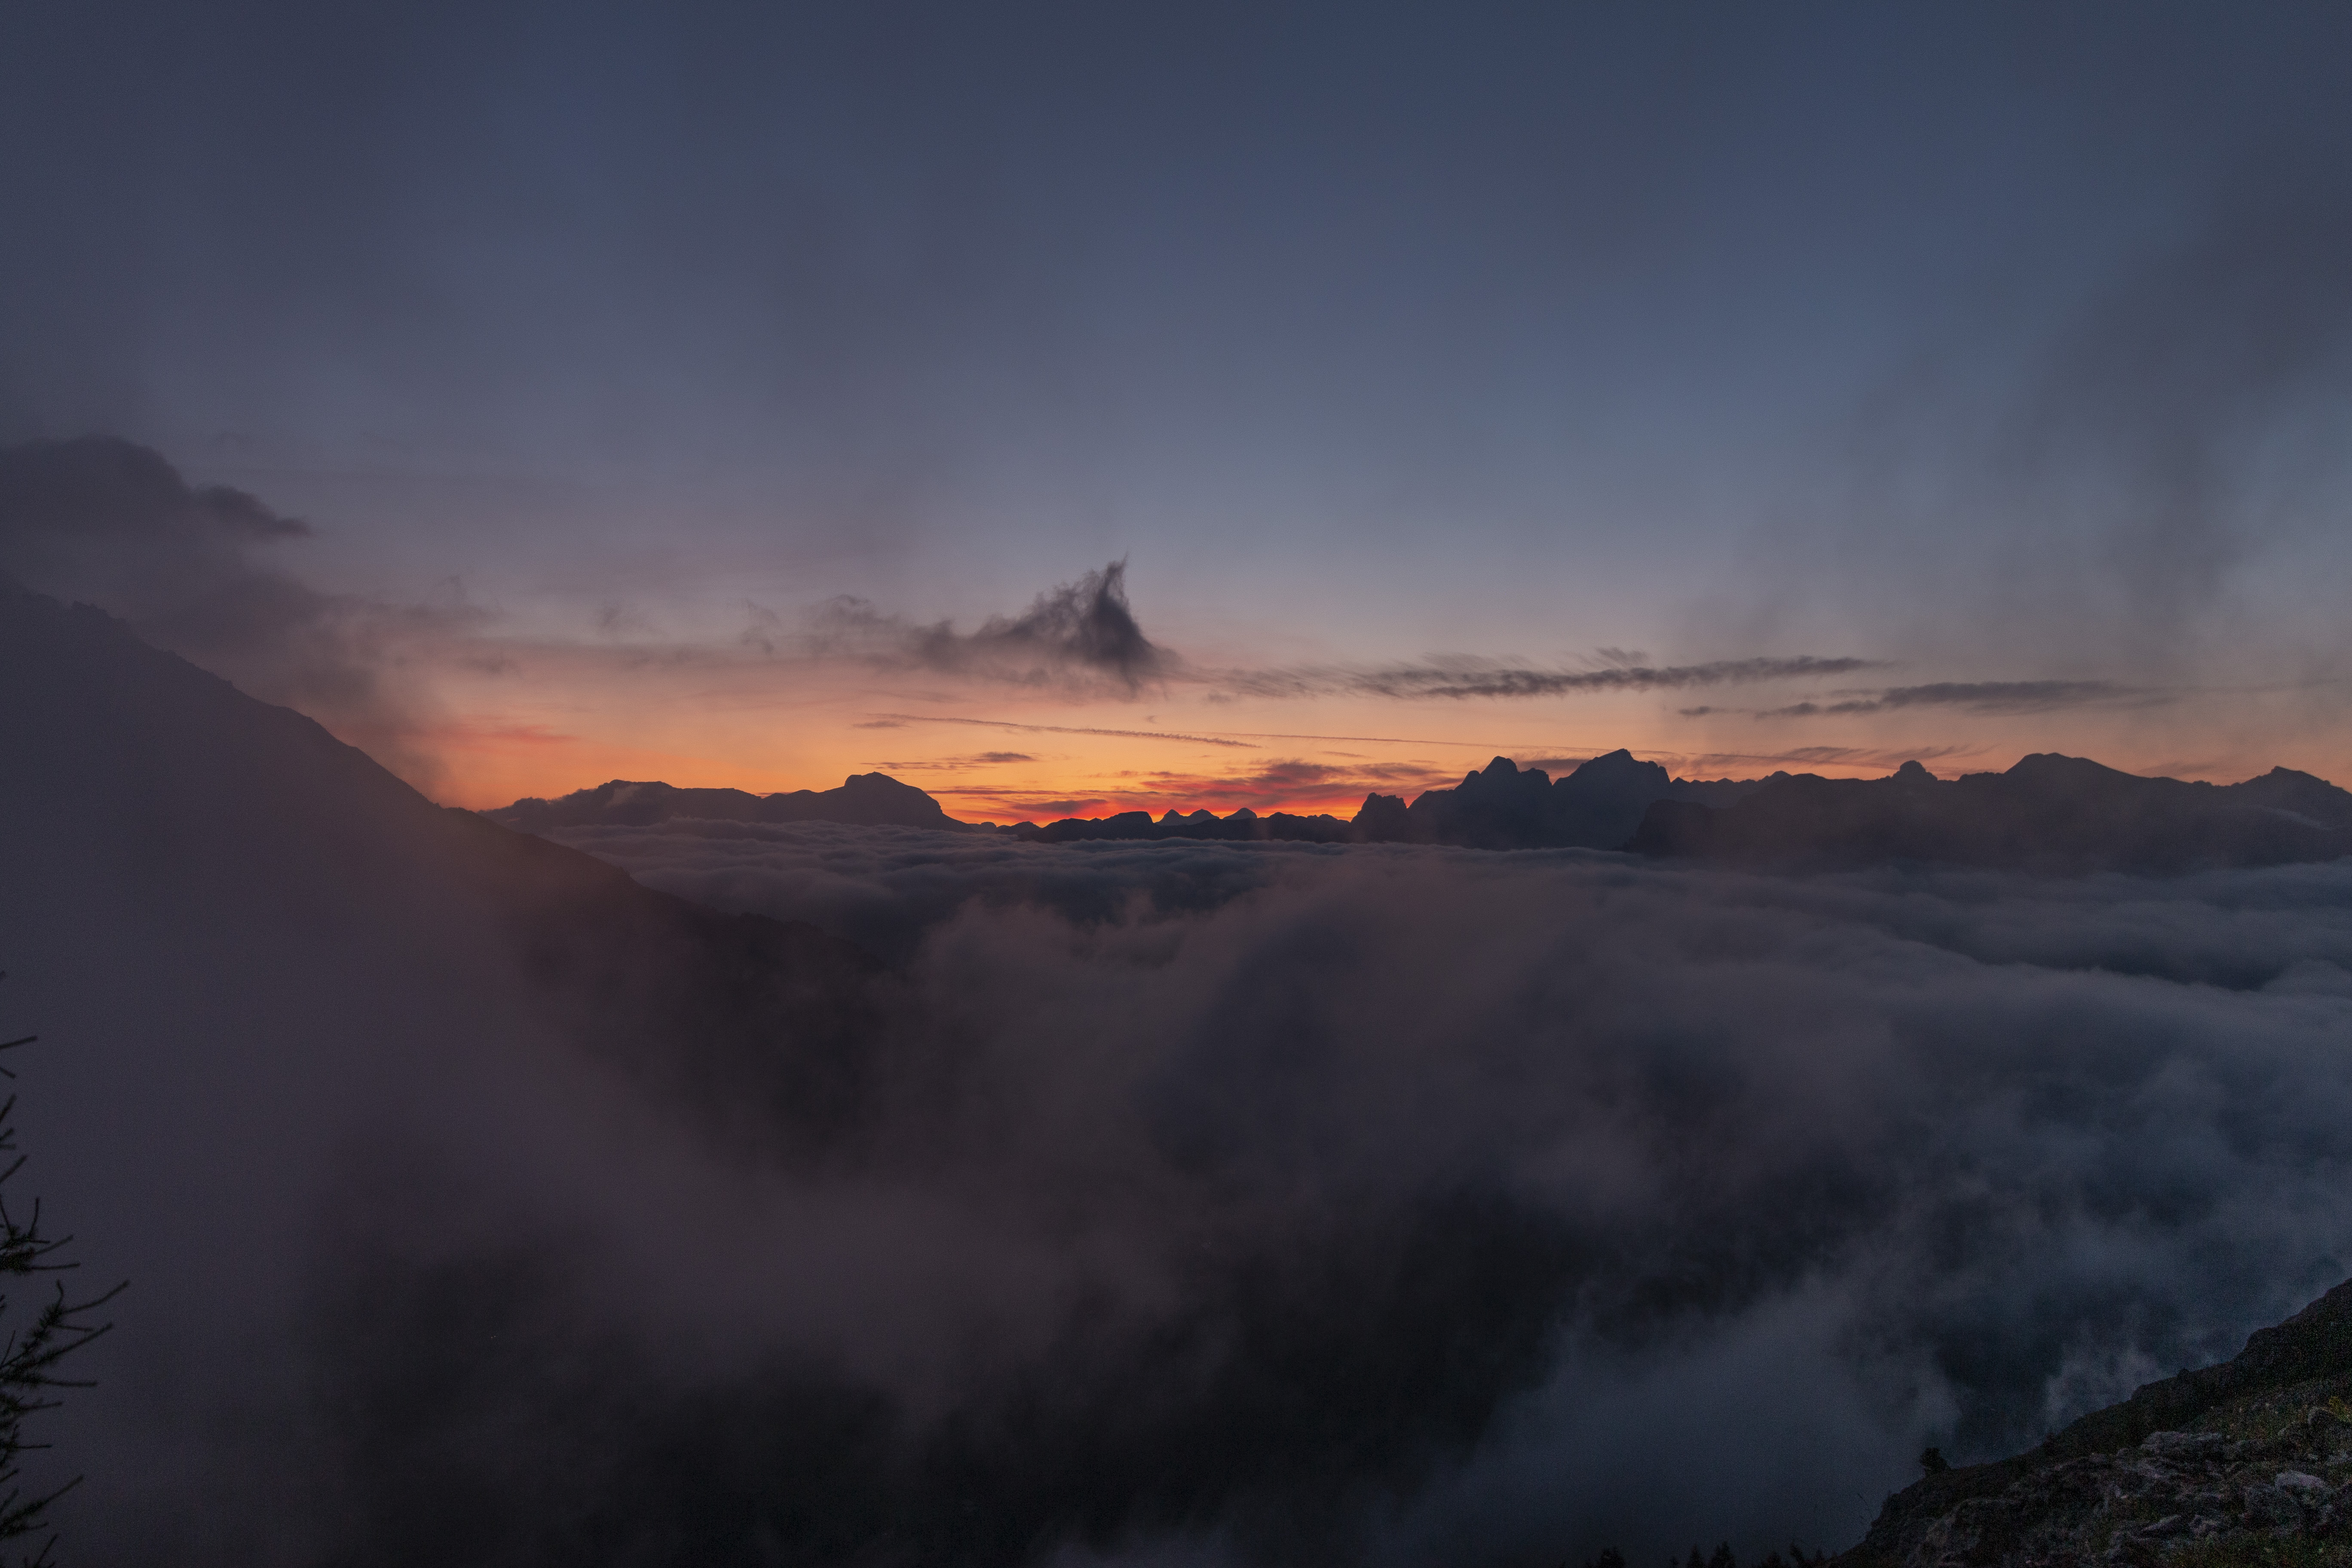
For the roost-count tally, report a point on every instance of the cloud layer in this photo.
(1936, 1158)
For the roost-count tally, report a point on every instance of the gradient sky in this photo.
(611, 353)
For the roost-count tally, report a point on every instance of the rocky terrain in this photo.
(2249, 1462)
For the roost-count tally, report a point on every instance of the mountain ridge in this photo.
(863, 800)
(2049, 813)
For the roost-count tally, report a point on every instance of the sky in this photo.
(1072, 409)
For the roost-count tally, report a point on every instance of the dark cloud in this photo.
(1990, 698)
(1082, 632)
(113, 523)
(1463, 676)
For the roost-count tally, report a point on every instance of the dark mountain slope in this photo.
(213, 788)
(2048, 813)
(283, 998)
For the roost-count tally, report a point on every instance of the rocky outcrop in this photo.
(2249, 1461)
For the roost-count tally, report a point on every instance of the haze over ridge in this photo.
(1634, 520)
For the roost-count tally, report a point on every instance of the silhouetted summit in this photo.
(865, 800)
(1506, 807)
(2049, 813)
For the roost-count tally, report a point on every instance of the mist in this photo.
(489, 402)
(1133, 1203)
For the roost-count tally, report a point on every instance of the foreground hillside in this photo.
(2248, 1462)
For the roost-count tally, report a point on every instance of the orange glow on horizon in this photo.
(547, 721)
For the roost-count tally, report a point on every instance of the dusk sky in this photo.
(723, 394)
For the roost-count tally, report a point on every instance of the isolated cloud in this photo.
(1082, 632)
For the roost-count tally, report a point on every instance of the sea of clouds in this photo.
(1590, 1199)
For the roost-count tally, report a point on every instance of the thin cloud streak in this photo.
(1064, 729)
(2000, 698)
(1494, 746)
(1817, 756)
(1466, 676)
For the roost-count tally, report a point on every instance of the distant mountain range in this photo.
(2049, 813)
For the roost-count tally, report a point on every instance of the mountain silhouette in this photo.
(1504, 806)
(195, 794)
(2049, 814)
(864, 800)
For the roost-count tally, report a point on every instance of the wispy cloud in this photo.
(1461, 676)
(954, 765)
(2001, 698)
(894, 721)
